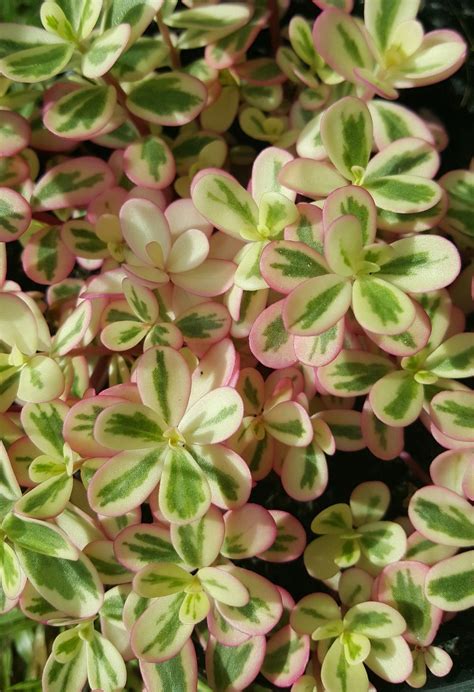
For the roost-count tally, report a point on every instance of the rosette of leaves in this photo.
(369, 634)
(148, 317)
(253, 218)
(349, 532)
(172, 437)
(391, 51)
(83, 654)
(269, 417)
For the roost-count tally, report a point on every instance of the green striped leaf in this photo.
(72, 183)
(382, 19)
(105, 666)
(450, 583)
(227, 474)
(346, 131)
(241, 539)
(263, 610)
(149, 163)
(353, 373)
(180, 672)
(453, 414)
(206, 323)
(354, 201)
(194, 608)
(82, 15)
(226, 204)
(404, 193)
(125, 481)
(338, 675)
(289, 423)
(158, 634)
(214, 418)
(199, 542)
(442, 516)
(102, 555)
(11, 576)
(392, 121)
(48, 499)
(316, 305)
(383, 542)
(139, 545)
(155, 581)
(15, 215)
(173, 98)
(141, 59)
(421, 263)
(157, 371)
(311, 178)
(12, 40)
(36, 64)
(341, 43)
(123, 335)
(223, 587)
(369, 501)
(408, 155)
(234, 667)
(304, 474)
(397, 399)
(105, 51)
(184, 494)
(43, 423)
(460, 188)
(375, 620)
(38, 536)
(402, 586)
(72, 587)
(59, 676)
(138, 13)
(41, 380)
(129, 426)
(35, 607)
(285, 264)
(46, 259)
(9, 486)
(454, 358)
(82, 113)
(422, 550)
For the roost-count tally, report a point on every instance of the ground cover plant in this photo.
(236, 283)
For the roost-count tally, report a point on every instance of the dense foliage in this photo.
(235, 264)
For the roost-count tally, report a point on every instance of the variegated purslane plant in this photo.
(236, 420)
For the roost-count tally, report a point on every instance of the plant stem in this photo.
(274, 25)
(164, 31)
(415, 468)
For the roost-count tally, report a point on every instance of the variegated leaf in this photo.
(82, 113)
(316, 305)
(353, 373)
(442, 516)
(158, 634)
(173, 98)
(157, 369)
(346, 131)
(449, 584)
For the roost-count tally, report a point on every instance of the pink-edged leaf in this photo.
(309, 227)
(402, 586)
(342, 43)
(184, 494)
(344, 123)
(227, 474)
(357, 202)
(101, 554)
(355, 586)
(304, 474)
(79, 426)
(311, 178)
(286, 657)
(322, 349)
(442, 516)
(157, 369)
(269, 340)
(453, 413)
(449, 584)
(407, 155)
(182, 667)
(73, 329)
(198, 543)
(234, 667)
(408, 342)
(82, 112)
(15, 215)
(289, 423)
(290, 540)
(316, 305)
(125, 481)
(312, 611)
(14, 133)
(397, 399)
(391, 660)
(213, 418)
(453, 470)
(441, 54)
(421, 263)
(73, 183)
(264, 608)
(265, 172)
(138, 546)
(353, 373)
(384, 441)
(454, 358)
(46, 259)
(149, 163)
(393, 121)
(423, 550)
(345, 426)
(285, 264)
(211, 278)
(158, 634)
(403, 193)
(250, 386)
(414, 222)
(249, 530)
(174, 98)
